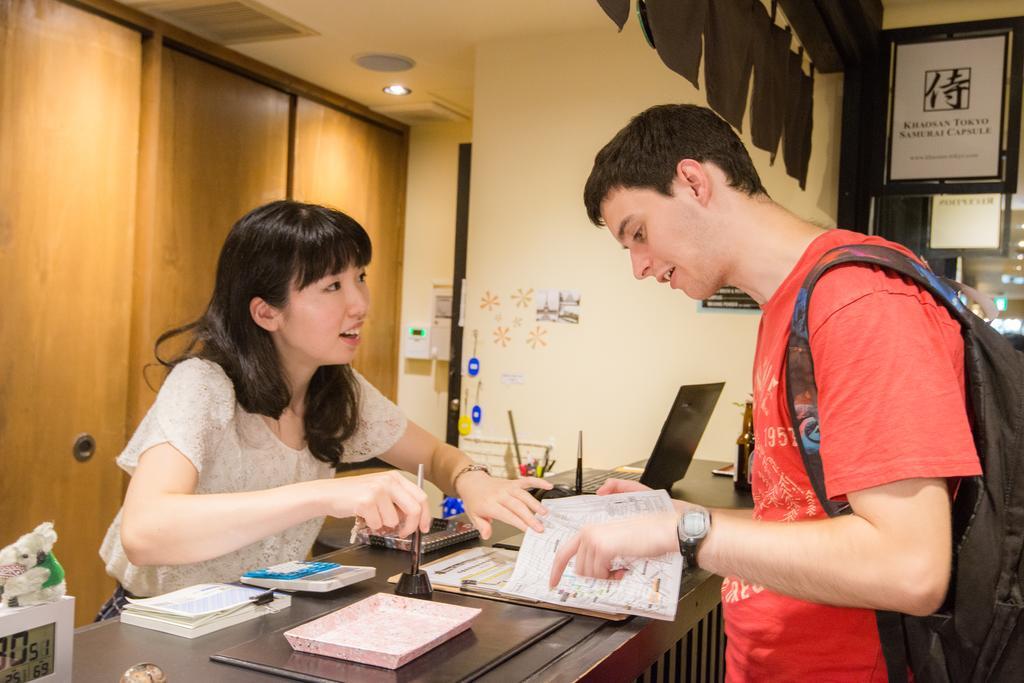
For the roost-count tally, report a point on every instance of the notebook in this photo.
(204, 608)
(673, 451)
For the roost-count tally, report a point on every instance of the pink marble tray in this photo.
(382, 630)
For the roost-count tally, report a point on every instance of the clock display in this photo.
(27, 655)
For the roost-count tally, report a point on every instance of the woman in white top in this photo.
(232, 467)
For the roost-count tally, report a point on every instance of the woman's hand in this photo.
(385, 500)
(488, 498)
(597, 546)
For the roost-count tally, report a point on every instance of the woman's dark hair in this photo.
(267, 250)
(646, 152)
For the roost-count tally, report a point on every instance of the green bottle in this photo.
(744, 450)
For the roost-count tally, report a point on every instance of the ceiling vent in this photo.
(227, 23)
(414, 113)
(377, 61)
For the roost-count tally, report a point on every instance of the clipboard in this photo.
(491, 594)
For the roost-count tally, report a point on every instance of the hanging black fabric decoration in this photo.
(677, 26)
(727, 57)
(617, 10)
(796, 142)
(770, 93)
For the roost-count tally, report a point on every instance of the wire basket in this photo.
(499, 454)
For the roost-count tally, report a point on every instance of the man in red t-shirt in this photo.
(678, 190)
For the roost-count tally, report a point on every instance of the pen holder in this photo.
(414, 585)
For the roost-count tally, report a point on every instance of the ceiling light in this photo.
(1020, 257)
(1020, 267)
(397, 89)
(377, 61)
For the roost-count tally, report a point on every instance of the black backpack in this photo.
(978, 634)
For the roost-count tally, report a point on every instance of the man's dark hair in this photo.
(645, 153)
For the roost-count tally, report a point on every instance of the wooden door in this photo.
(69, 116)
(221, 149)
(359, 167)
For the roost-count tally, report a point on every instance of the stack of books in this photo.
(204, 608)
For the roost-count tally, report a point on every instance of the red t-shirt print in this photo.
(889, 368)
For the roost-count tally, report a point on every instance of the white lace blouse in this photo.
(233, 451)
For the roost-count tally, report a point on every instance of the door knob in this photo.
(84, 447)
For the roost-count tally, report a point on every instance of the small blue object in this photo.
(477, 415)
(474, 366)
(298, 570)
(451, 507)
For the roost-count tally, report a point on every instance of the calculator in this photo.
(316, 577)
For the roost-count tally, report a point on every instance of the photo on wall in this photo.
(547, 305)
(569, 306)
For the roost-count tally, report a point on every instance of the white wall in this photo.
(542, 110)
(429, 257)
(907, 13)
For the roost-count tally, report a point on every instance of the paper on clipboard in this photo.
(482, 571)
(650, 586)
(486, 567)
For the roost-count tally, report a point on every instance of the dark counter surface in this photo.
(586, 648)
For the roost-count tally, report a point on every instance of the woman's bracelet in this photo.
(475, 467)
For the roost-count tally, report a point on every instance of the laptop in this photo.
(676, 445)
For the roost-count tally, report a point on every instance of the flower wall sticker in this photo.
(502, 337)
(488, 302)
(522, 298)
(536, 338)
(517, 321)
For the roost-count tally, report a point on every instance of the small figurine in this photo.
(29, 571)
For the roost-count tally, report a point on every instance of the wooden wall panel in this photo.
(359, 168)
(69, 112)
(221, 150)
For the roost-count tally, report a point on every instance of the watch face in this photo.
(694, 524)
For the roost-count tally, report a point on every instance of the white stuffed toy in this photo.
(29, 572)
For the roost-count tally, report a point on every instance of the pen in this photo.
(470, 586)
(416, 535)
(579, 464)
(263, 598)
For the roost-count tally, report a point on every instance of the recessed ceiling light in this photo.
(397, 89)
(1020, 257)
(1020, 267)
(378, 61)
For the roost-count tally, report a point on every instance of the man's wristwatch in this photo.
(692, 527)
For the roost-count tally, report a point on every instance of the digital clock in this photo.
(36, 642)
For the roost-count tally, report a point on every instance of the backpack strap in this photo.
(894, 645)
(801, 389)
(802, 394)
